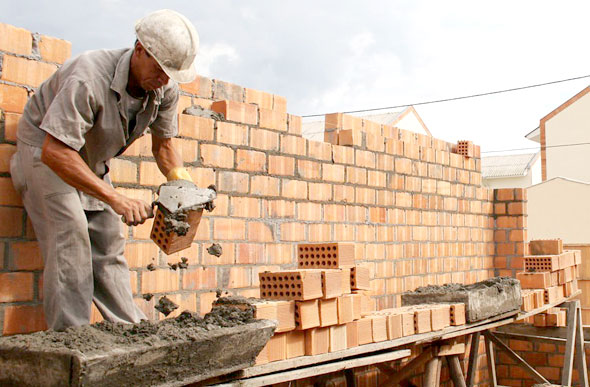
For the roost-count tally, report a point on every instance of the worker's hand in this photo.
(178, 173)
(132, 211)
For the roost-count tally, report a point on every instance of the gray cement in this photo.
(482, 300)
(171, 352)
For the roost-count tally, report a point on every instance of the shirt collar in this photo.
(121, 76)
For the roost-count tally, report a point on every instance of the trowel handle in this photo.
(154, 203)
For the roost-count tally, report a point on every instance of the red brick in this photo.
(236, 111)
(6, 152)
(262, 99)
(333, 172)
(26, 256)
(294, 145)
(320, 191)
(264, 139)
(279, 209)
(200, 86)
(10, 125)
(343, 155)
(15, 40)
(140, 147)
(260, 232)
(250, 253)
(245, 207)
(294, 189)
(199, 128)
(281, 165)
(149, 174)
(279, 103)
(16, 287)
(203, 177)
(233, 134)
(123, 171)
(251, 161)
(320, 232)
(343, 193)
(199, 278)
(505, 194)
(12, 222)
(233, 182)
(159, 281)
(309, 170)
(319, 150)
(8, 195)
(229, 229)
(217, 156)
(356, 175)
(23, 319)
(309, 211)
(272, 119)
(343, 121)
(292, 231)
(516, 208)
(25, 71)
(264, 186)
(54, 49)
(294, 124)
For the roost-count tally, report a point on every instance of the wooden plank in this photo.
(568, 362)
(472, 365)
(405, 372)
(431, 372)
(455, 371)
(322, 369)
(491, 360)
(519, 360)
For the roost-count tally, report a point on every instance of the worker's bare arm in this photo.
(166, 156)
(70, 167)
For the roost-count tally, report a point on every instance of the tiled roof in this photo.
(507, 165)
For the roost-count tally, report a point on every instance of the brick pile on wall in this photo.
(416, 211)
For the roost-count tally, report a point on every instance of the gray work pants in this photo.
(82, 250)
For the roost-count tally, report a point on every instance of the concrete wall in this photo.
(558, 208)
(569, 126)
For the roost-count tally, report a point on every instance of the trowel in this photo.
(180, 207)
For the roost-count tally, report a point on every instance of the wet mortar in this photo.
(215, 249)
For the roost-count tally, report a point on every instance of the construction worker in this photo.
(86, 113)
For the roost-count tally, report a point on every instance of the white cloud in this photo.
(210, 54)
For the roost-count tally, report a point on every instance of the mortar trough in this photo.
(172, 352)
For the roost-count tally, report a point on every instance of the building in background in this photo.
(511, 171)
(558, 207)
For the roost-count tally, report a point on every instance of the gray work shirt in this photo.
(80, 105)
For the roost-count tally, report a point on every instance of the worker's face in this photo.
(148, 72)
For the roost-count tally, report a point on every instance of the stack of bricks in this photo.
(327, 296)
(550, 275)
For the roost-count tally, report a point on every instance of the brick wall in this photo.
(415, 210)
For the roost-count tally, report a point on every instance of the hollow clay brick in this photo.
(352, 339)
(317, 341)
(394, 326)
(359, 278)
(541, 263)
(307, 314)
(285, 315)
(277, 347)
(331, 283)
(365, 330)
(528, 300)
(357, 306)
(379, 326)
(441, 316)
(325, 255)
(349, 137)
(345, 281)
(337, 338)
(291, 285)
(553, 294)
(295, 344)
(328, 312)
(534, 280)
(546, 247)
(236, 111)
(457, 314)
(345, 309)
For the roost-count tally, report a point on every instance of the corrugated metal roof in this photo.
(507, 165)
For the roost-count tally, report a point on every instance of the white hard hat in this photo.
(173, 42)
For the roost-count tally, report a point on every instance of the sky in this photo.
(329, 56)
